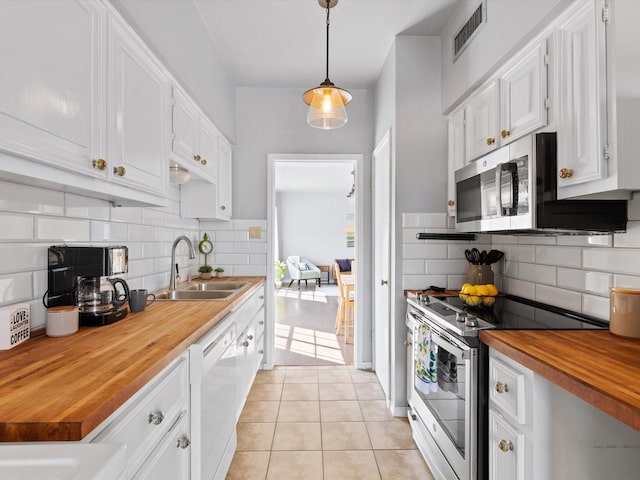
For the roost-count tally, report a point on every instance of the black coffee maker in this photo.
(82, 276)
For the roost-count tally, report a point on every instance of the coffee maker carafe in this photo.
(82, 276)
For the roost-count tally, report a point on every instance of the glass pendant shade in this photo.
(326, 106)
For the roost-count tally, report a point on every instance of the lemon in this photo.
(493, 290)
(463, 297)
(473, 301)
(482, 290)
(488, 301)
(464, 285)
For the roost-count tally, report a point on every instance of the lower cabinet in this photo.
(539, 431)
(154, 426)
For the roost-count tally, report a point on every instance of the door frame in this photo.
(358, 161)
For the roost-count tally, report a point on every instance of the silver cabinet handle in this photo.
(383, 282)
(156, 417)
(183, 442)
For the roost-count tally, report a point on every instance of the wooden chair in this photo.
(346, 306)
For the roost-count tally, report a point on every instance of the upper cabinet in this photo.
(194, 138)
(456, 156)
(51, 100)
(83, 104)
(224, 179)
(481, 121)
(138, 97)
(599, 100)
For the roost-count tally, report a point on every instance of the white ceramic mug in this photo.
(62, 320)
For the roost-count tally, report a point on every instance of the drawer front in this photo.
(143, 424)
(507, 389)
(506, 450)
(247, 311)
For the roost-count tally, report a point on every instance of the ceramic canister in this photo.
(624, 309)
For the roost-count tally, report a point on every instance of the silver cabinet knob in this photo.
(245, 344)
(250, 337)
(156, 417)
(383, 282)
(260, 351)
(183, 442)
(261, 322)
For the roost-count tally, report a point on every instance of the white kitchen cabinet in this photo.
(194, 138)
(52, 95)
(158, 410)
(138, 97)
(599, 99)
(523, 93)
(224, 182)
(210, 200)
(482, 111)
(456, 156)
(250, 322)
(506, 449)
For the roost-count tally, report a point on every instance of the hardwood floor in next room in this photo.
(322, 423)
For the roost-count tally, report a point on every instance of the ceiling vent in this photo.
(469, 30)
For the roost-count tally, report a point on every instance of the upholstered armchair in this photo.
(301, 268)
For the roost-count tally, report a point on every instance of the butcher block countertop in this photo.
(62, 388)
(601, 368)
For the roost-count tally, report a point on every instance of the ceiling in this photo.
(281, 43)
(314, 177)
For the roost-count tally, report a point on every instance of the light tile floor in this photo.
(324, 423)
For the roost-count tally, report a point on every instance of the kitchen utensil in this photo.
(493, 256)
(467, 254)
(483, 257)
(475, 254)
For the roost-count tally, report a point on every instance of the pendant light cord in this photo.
(327, 70)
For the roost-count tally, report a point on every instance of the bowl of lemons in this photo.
(479, 296)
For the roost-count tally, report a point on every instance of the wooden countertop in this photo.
(62, 388)
(601, 368)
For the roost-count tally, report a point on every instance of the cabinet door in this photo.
(224, 179)
(506, 450)
(481, 121)
(523, 91)
(138, 99)
(51, 100)
(456, 157)
(170, 459)
(208, 151)
(185, 124)
(581, 99)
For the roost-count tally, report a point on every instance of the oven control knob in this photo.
(471, 321)
(461, 316)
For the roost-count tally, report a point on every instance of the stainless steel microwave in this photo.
(514, 189)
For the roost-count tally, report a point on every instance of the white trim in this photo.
(358, 160)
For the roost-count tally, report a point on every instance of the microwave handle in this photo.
(513, 169)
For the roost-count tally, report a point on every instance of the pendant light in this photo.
(326, 101)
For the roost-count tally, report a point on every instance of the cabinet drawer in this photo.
(150, 415)
(506, 450)
(247, 311)
(507, 389)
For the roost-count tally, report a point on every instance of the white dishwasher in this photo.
(213, 391)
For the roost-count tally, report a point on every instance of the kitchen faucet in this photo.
(174, 266)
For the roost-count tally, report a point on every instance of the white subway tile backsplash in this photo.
(251, 247)
(633, 209)
(421, 282)
(424, 220)
(414, 267)
(586, 240)
(519, 253)
(248, 270)
(155, 249)
(231, 258)
(557, 296)
(425, 251)
(537, 273)
(536, 240)
(16, 227)
(142, 233)
(626, 281)
(446, 267)
(242, 224)
(596, 306)
(212, 226)
(85, 207)
(518, 287)
(503, 240)
(229, 247)
(409, 235)
(109, 232)
(584, 280)
(16, 287)
(559, 256)
(126, 214)
(231, 236)
(454, 282)
(153, 217)
(141, 268)
(612, 260)
(630, 239)
(62, 229)
(25, 199)
(257, 259)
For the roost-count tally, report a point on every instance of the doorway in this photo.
(316, 179)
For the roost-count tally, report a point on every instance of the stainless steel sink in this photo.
(194, 295)
(209, 286)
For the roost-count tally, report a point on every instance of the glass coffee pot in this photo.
(97, 295)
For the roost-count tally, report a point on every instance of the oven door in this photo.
(444, 397)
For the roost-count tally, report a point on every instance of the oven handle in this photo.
(440, 337)
(512, 168)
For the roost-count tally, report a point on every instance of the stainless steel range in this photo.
(448, 370)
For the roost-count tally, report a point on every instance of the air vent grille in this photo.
(469, 30)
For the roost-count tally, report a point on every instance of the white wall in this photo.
(174, 31)
(510, 24)
(313, 225)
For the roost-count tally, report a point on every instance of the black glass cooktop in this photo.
(516, 313)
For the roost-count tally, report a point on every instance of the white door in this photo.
(382, 245)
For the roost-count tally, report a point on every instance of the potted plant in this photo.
(281, 267)
(205, 271)
(219, 271)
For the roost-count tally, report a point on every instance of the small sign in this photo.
(15, 325)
